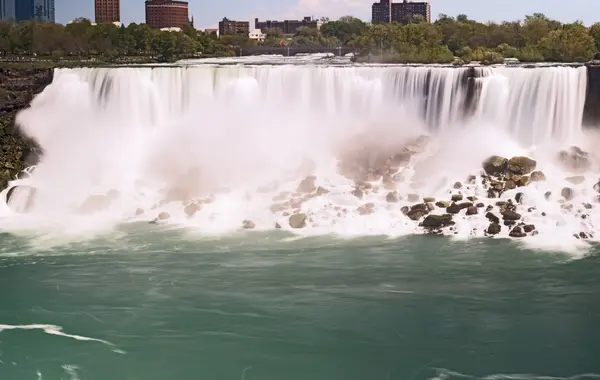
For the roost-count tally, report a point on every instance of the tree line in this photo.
(459, 39)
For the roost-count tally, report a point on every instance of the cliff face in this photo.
(17, 89)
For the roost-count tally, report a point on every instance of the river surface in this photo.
(148, 303)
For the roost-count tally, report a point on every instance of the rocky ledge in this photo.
(17, 89)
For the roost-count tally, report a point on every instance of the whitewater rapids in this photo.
(241, 135)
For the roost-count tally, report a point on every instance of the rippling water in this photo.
(167, 304)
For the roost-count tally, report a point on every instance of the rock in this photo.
(248, 224)
(164, 216)
(567, 193)
(366, 209)
(495, 165)
(192, 209)
(575, 180)
(489, 208)
(519, 198)
(453, 208)
(523, 181)
(416, 214)
(492, 218)
(457, 197)
(437, 221)
(517, 232)
(597, 187)
(421, 207)
(413, 198)
(521, 165)
(298, 220)
(588, 206)
(510, 215)
(358, 193)
(430, 206)
(480, 205)
(509, 223)
(472, 210)
(494, 229)
(392, 197)
(465, 205)
(322, 191)
(472, 198)
(538, 176)
(574, 159)
(510, 184)
(139, 211)
(405, 210)
(307, 185)
(547, 195)
(277, 226)
(471, 179)
(442, 204)
(528, 228)
(457, 185)
(428, 200)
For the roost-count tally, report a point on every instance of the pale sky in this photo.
(207, 13)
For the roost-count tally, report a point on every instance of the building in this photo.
(107, 11)
(386, 11)
(286, 26)
(230, 27)
(257, 35)
(7, 10)
(166, 14)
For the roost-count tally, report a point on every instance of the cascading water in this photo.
(240, 135)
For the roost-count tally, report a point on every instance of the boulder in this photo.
(538, 176)
(472, 198)
(523, 181)
(480, 205)
(358, 193)
(574, 159)
(442, 204)
(457, 185)
(428, 200)
(192, 209)
(567, 193)
(457, 197)
(405, 210)
(494, 229)
(454, 208)
(576, 180)
(519, 198)
(517, 232)
(547, 195)
(430, 206)
(437, 221)
(277, 226)
(248, 224)
(510, 184)
(298, 220)
(521, 165)
(495, 165)
(472, 210)
(307, 185)
(416, 214)
(597, 187)
(529, 228)
(392, 197)
(510, 215)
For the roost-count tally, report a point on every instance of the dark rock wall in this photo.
(17, 89)
(591, 110)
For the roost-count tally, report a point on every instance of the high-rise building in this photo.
(166, 13)
(107, 11)
(231, 27)
(286, 26)
(7, 10)
(41, 10)
(386, 11)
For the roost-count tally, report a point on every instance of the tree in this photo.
(164, 45)
(571, 43)
(595, 34)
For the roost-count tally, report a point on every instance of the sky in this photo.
(207, 13)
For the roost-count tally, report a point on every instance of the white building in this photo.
(257, 35)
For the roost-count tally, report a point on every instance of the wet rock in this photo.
(480, 205)
(472, 210)
(510, 215)
(528, 228)
(277, 226)
(471, 179)
(523, 181)
(510, 184)
(457, 185)
(519, 198)
(472, 198)
(465, 205)
(492, 194)
(428, 200)
(547, 195)
(457, 197)
(509, 223)
(416, 214)
(442, 204)
(248, 224)
(574, 159)
(192, 209)
(495, 165)
(492, 218)
(430, 206)
(405, 210)
(538, 176)
(521, 165)
(517, 232)
(576, 180)
(366, 209)
(298, 220)
(392, 197)
(307, 185)
(494, 229)
(588, 206)
(322, 191)
(597, 187)
(413, 198)
(358, 193)
(437, 221)
(567, 193)
(454, 208)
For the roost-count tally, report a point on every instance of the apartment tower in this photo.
(107, 11)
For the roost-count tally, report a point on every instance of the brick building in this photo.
(107, 11)
(385, 11)
(231, 27)
(286, 26)
(166, 14)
